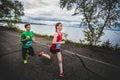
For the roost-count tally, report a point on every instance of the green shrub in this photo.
(106, 44)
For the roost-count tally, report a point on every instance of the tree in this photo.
(98, 14)
(11, 11)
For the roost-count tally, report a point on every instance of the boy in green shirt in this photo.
(26, 38)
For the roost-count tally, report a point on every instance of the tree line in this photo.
(11, 11)
(98, 14)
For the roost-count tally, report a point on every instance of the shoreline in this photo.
(50, 37)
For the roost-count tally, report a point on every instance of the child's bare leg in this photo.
(46, 55)
(59, 56)
(51, 55)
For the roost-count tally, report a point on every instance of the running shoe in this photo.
(61, 74)
(41, 53)
(25, 61)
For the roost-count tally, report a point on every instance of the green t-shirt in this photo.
(27, 43)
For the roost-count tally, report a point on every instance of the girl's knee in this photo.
(60, 61)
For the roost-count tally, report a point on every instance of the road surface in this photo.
(38, 68)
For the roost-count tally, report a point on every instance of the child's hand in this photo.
(27, 37)
(62, 42)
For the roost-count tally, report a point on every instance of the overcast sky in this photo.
(49, 12)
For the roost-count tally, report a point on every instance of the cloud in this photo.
(47, 10)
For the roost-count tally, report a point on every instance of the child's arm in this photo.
(23, 40)
(55, 40)
(33, 39)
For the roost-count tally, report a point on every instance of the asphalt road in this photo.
(39, 68)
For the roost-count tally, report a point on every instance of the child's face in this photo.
(28, 28)
(60, 27)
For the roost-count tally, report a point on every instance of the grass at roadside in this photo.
(116, 50)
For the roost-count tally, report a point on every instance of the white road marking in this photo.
(111, 65)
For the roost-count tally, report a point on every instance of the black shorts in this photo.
(29, 50)
(55, 51)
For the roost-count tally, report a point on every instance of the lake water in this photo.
(74, 34)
